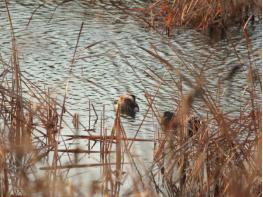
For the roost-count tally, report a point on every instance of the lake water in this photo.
(117, 64)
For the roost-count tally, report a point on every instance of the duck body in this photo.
(168, 122)
(127, 104)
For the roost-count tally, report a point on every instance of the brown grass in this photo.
(212, 16)
(223, 158)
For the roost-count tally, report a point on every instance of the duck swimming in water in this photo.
(127, 105)
(168, 122)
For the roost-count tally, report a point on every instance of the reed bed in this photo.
(212, 17)
(221, 158)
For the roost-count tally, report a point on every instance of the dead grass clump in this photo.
(201, 14)
(221, 158)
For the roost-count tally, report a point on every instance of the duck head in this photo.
(167, 115)
(133, 97)
(167, 122)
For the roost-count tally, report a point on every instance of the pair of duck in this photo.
(126, 104)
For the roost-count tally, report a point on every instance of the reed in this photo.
(222, 158)
(213, 17)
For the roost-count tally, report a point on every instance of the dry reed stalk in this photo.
(105, 138)
(70, 166)
(75, 50)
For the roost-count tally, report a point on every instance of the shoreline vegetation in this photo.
(210, 17)
(222, 158)
(203, 14)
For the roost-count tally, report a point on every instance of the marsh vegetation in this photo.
(54, 143)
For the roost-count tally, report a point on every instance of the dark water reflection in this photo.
(117, 64)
